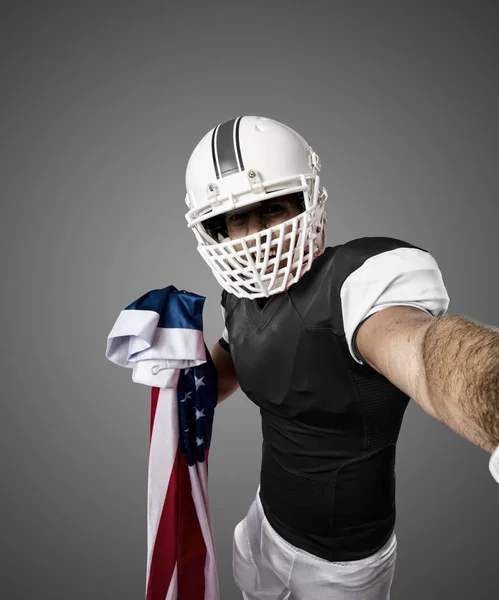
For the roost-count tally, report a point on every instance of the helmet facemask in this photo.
(270, 261)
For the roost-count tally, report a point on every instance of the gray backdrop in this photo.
(102, 103)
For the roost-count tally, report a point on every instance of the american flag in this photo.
(160, 337)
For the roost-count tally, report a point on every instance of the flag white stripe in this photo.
(199, 479)
(135, 337)
(173, 588)
(163, 449)
(173, 346)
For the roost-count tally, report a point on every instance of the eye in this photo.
(236, 218)
(271, 209)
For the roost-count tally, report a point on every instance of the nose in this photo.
(254, 225)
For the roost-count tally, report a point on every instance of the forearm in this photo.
(461, 363)
(227, 377)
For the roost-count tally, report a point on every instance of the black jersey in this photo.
(330, 422)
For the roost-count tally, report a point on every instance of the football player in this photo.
(330, 343)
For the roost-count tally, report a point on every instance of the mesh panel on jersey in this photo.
(383, 406)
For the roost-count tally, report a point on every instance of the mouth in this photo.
(270, 267)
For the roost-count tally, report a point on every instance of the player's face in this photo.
(243, 222)
(267, 214)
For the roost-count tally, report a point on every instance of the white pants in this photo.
(267, 567)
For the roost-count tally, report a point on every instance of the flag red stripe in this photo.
(154, 404)
(164, 555)
(191, 546)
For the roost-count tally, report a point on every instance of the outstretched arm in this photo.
(449, 365)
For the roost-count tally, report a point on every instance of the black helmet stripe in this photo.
(225, 148)
(213, 151)
(236, 144)
(226, 151)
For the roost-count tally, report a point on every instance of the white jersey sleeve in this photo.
(398, 277)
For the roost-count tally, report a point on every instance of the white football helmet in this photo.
(246, 161)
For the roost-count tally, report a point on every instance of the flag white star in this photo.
(188, 370)
(186, 430)
(199, 441)
(200, 413)
(199, 382)
(186, 397)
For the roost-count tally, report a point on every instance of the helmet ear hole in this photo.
(216, 227)
(301, 201)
